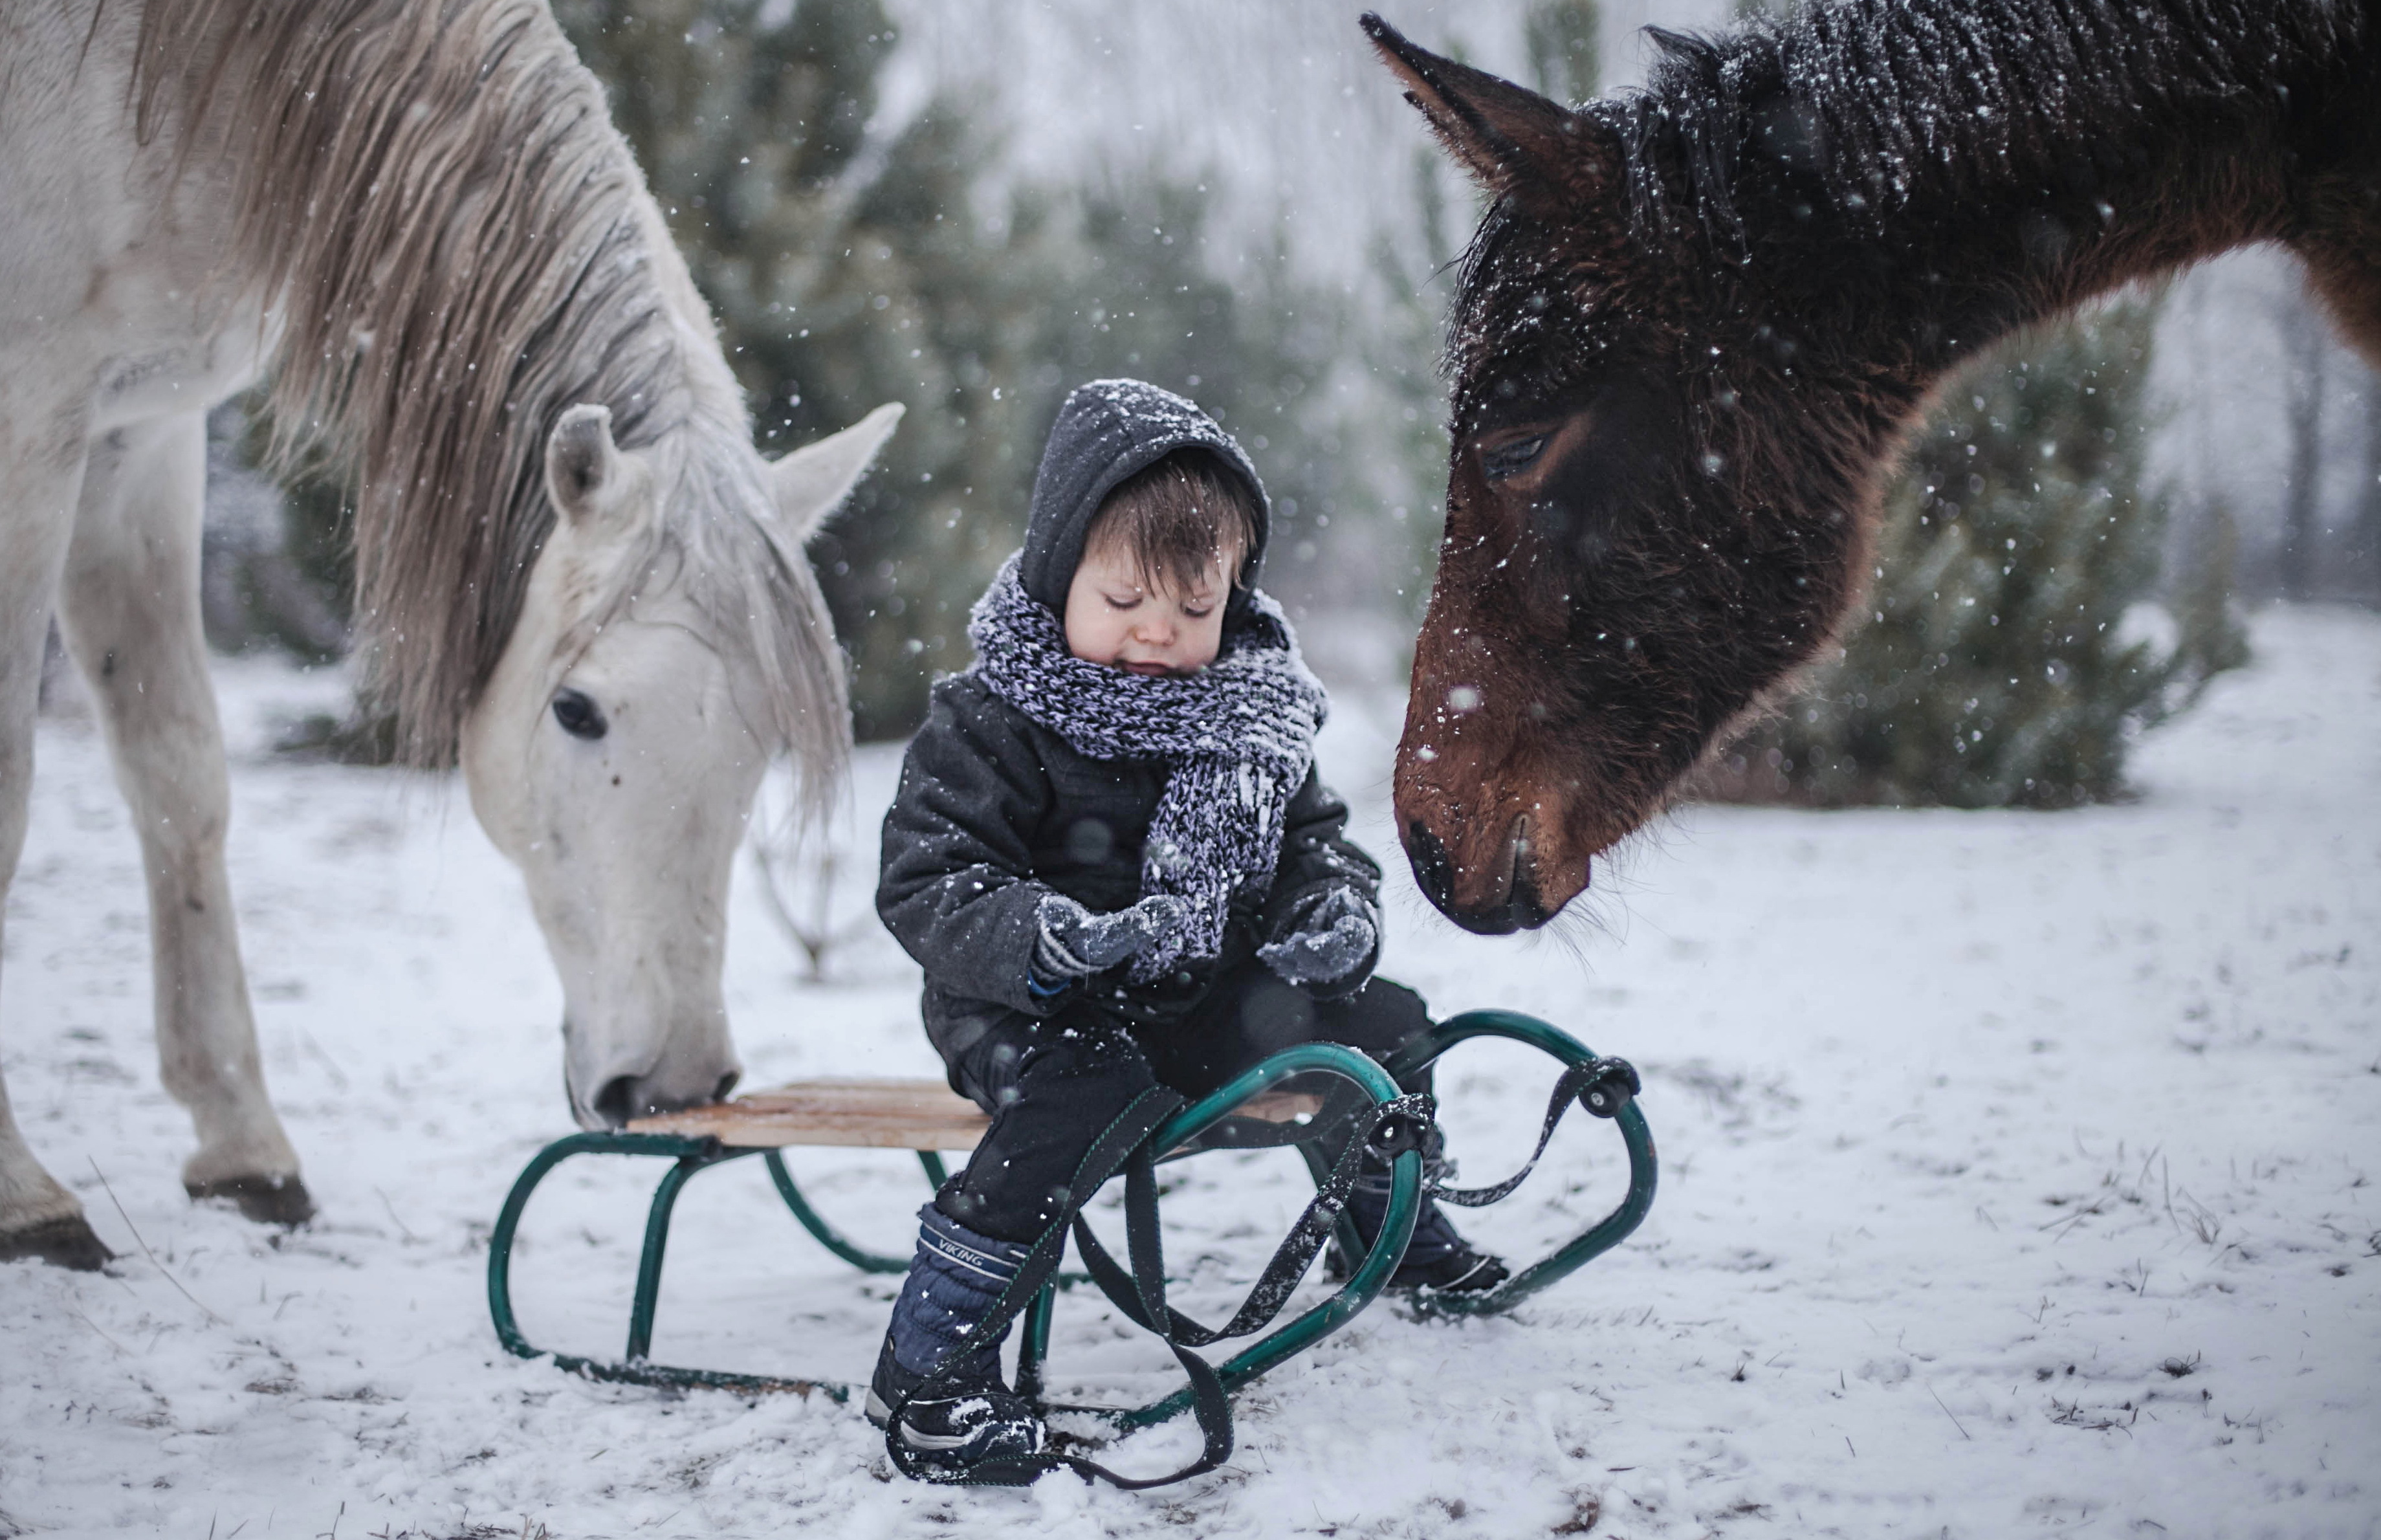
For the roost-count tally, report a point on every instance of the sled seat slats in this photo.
(878, 1114)
(863, 1114)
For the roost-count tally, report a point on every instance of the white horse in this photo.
(575, 574)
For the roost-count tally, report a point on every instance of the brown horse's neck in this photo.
(1910, 180)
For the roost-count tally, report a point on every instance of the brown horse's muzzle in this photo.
(1488, 849)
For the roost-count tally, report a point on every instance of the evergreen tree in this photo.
(2000, 660)
(847, 273)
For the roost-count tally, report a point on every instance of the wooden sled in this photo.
(1255, 1110)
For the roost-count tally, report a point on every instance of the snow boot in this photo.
(968, 1415)
(1437, 1259)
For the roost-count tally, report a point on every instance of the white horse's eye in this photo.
(578, 715)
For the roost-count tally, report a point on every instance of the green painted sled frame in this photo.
(688, 1155)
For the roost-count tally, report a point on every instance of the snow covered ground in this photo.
(2016, 1179)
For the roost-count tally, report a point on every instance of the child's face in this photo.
(1115, 617)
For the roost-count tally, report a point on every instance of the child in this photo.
(1112, 856)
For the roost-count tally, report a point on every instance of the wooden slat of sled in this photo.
(878, 1114)
(866, 1114)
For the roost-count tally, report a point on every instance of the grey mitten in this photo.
(1074, 943)
(1328, 937)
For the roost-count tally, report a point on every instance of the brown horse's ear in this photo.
(1509, 137)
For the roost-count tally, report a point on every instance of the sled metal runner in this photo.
(1609, 1094)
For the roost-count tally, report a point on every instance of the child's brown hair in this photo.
(1174, 516)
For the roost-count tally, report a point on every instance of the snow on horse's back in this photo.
(575, 574)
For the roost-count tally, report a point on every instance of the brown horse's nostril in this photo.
(1522, 909)
(1518, 906)
(1522, 905)
(1522, 900)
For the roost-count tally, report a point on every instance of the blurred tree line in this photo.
(2008, 653)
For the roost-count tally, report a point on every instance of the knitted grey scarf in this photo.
(1237, 739)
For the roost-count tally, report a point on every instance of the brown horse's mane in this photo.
(1895, 105)
(1882, 109)
(461, 247)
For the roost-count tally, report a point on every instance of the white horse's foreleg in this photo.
(130, 609)
(40, 472)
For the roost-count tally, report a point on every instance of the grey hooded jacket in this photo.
(995, 810)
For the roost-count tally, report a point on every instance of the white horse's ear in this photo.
(813, 482)
(584, 469)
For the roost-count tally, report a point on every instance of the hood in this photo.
(1107, 431)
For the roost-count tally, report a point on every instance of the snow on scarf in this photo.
(1237, 738)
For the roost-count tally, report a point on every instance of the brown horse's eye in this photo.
(578, 715)
(1506, 460)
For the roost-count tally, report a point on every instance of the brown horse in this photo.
(1698, 322)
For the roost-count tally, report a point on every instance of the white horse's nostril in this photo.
(616, 1104)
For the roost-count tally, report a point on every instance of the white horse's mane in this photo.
(461, 247)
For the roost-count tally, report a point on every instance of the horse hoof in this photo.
(267, 1199)
(67, 1242)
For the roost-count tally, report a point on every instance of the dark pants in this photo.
(1051, 1085)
